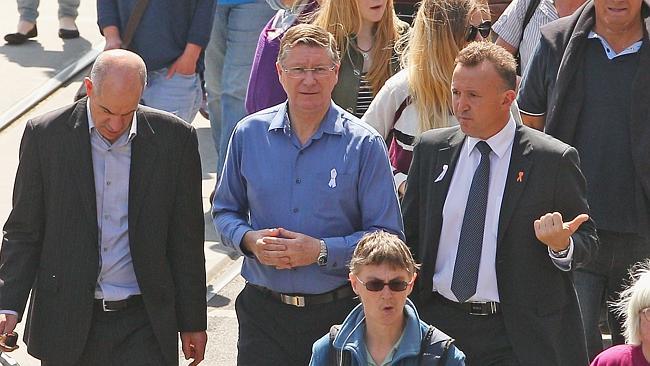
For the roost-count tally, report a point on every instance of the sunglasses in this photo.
(483, 28)
(378, 285)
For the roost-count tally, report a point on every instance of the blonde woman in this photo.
(366, 32)
(418, 98)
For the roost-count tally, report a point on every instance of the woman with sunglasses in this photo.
(634, 307)
(385, 328)
(365, 31)
(418, 98)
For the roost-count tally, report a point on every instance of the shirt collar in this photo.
(133, 131)
(331, 124)
(499, 143)
(609, 51)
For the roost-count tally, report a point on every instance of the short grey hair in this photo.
(106, 64)
(633, 299)
(308, 35)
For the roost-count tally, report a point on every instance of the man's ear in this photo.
(278, 69)
(509, 97)
(354, 283)
(89, 85)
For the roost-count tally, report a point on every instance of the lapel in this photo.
(79, 156)
(144, 152)
(570, 72)
(518, 174)
(447, 156)
(640, 108)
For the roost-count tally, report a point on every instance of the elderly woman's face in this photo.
(385, 306)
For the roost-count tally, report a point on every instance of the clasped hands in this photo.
(556, 234)
(282, 248)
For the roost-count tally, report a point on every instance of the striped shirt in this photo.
(364, 96)
(509, 25)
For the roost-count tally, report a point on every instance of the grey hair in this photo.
(309, 35)
(633, 299)
(105, 64)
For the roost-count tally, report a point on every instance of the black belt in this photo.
(482, 308)
(129, 302)
(302, 300)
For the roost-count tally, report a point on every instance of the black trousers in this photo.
(273, 333)
(483, 339)
(120, 338)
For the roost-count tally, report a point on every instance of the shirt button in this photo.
(105, 249)
(108, 183)
(106, 216)
(295, 210)
(297, 180)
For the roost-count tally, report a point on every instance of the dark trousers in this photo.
(483, 339)
(273, 333)
(603, 279)
(120, 338)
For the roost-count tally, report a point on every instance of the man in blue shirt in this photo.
(303, 181)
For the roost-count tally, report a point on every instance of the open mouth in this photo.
(617, 10)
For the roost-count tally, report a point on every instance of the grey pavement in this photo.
(24, 70)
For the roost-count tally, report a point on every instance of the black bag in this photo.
(529, 14)
(131, 25)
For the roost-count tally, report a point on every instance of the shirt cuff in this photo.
(563, 264)
(336, 254)
(238, 240)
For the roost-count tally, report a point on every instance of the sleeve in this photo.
(570, 199)
(201, 24)
(532, 98)
(381, 112)
(320, 352)
(509, 25)
(23, 231)
(563, 263)
(378, 203)
(186, 253)
(230, 208)
(107, 14)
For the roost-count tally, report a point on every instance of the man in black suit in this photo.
(483, 213)
(106, 230)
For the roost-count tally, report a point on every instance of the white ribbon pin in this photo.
(442, 174)
(332, 183)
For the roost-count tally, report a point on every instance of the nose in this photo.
(386, 292)
(116, 123)
(309, 77)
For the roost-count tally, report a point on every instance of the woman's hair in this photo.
(380, 247)
(439, 32)
(342, 18)
(633, 299)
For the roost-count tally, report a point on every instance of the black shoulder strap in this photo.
(529, 15)
(398, 114)
(337, 357)
(428, 342)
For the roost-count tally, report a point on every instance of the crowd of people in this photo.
(407, 185)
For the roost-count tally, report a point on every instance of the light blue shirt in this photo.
(111, 167)
(337, 186)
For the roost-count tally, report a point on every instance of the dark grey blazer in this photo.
(50, 245)
(539, 303)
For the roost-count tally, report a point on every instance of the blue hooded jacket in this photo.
(351, 338)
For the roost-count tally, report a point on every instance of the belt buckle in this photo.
(105, 308)
(476, 308)
(297, 301)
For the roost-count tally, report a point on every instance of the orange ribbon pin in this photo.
(520, 177)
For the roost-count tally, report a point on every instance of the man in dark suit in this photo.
(483, 213)
(107, 230)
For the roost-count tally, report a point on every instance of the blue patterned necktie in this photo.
(468, 258)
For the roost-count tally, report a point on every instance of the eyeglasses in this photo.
(378, 285)
(301, 72)
(646, 313)
(483, 28)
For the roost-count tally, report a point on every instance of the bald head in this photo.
(120, 69)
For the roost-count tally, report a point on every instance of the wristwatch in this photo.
(322, 255)
(561, 254)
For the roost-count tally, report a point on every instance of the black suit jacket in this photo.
(538, 301)
(50, 245)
